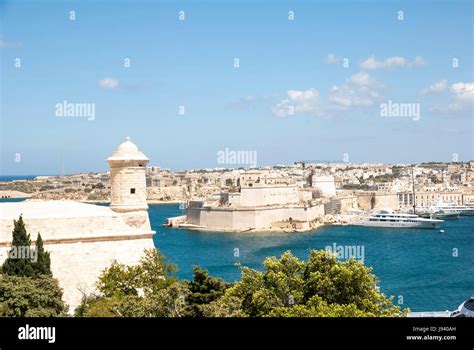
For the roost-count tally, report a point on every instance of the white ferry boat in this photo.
(462, 210)
(387, 218)
(433, 213)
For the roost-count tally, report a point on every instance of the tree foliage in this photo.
(42, 266)
(14, 266)
(30, 297)
(27, 287)
(152, 274)
(22, 260)
(203, 289)
(322, 286)
(143, 290)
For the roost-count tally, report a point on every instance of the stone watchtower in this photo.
(128, 184)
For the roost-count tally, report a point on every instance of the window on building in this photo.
(132, 191)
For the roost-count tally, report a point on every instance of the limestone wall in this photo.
(77, 227)
(78, 265)
(83, 239)
(125, 180)
(325, 184)
(377, 201)
(348, 203)
(268, 195)
(258, 218)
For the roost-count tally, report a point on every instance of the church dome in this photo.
(127, 151)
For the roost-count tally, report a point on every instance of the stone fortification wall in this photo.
(256, 218)
(107, 223)
(348, 203)
(268, 195)
(77, 265)
(83, 239)
(377, 201)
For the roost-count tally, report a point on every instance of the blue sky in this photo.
(284, 65)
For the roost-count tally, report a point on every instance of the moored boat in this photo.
(466, 309)
(387, 218)
(463, 210)
(437, 214)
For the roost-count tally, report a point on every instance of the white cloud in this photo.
(463, 92)
(360, 90)
(109, 83)
(299, 101)
(361, 79)
(391, 62)
(461, 99)
(439, 86)
(418, 61)
(331, 59)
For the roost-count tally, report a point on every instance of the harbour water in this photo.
(424, 269)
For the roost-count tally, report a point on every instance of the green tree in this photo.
(42, 266)
(317, 307)
(226, 306)
(344, 283)
(143, 290)
(167, 302)
(119, 280)
(203, 289)
(152, 274)
(30, 297)
(94, 306)
(320, 287)
(279, 285)
(16, 264)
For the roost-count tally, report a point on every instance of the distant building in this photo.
(325, 184)
(429, 198)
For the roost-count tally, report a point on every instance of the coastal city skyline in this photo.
(296, 82)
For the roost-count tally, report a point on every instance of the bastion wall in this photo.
(257, 218)
(78, 265)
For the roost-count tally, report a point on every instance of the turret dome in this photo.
(127, 151)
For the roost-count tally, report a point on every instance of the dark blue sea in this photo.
(431, 271)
